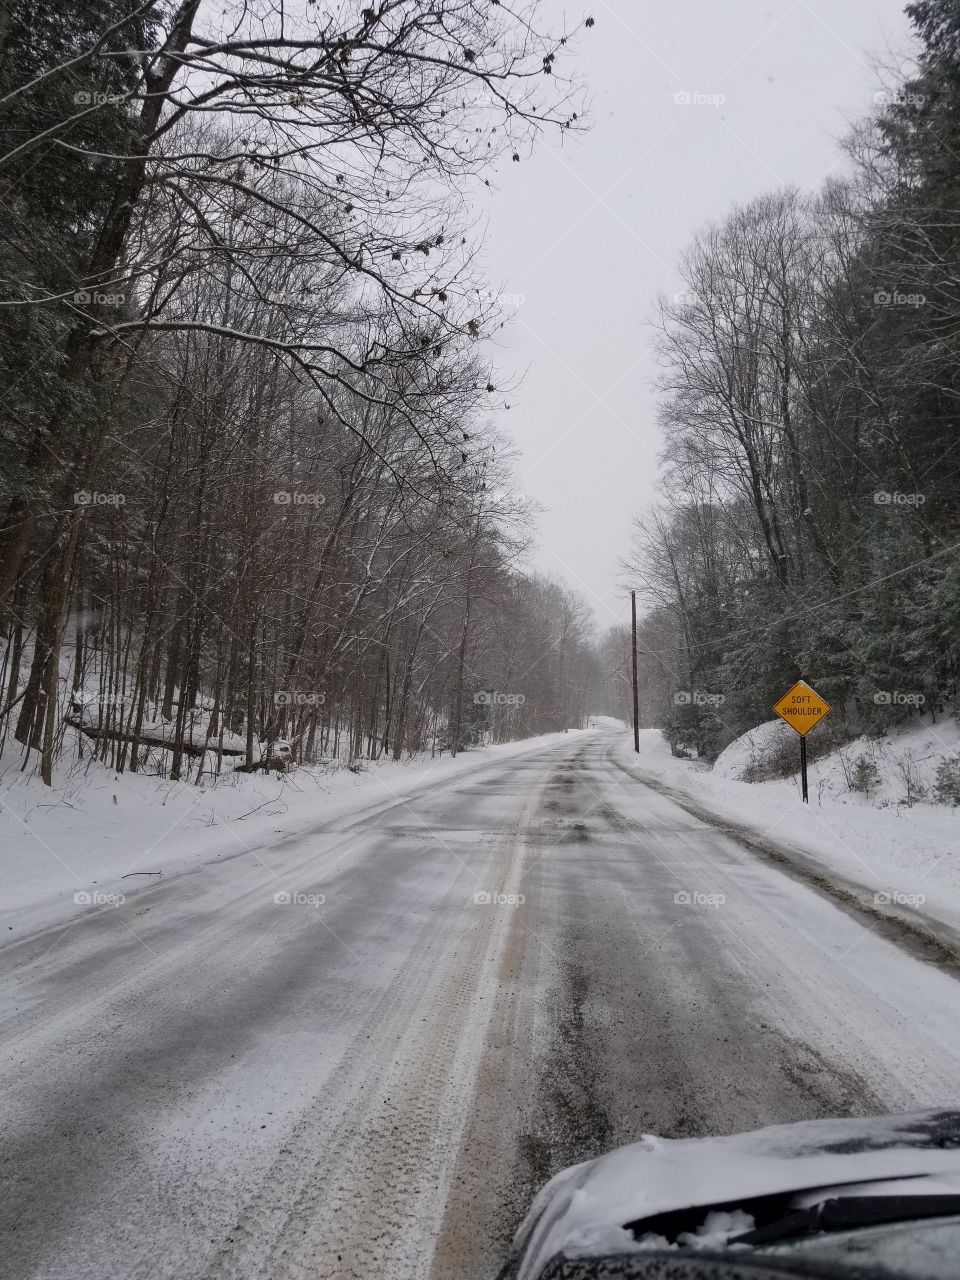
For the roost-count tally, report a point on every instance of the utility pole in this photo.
(633, 657)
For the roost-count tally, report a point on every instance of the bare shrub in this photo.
(914, 787)
(780, 756)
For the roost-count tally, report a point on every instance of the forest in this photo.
(254, 503)
(258, 500)
(809, 511)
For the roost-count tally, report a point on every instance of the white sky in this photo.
(589, 232)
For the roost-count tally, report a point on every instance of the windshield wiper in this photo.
(845, 1213)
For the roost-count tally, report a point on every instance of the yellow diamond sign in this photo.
(802, 708)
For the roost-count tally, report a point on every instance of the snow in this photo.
(905, 855)
(717, 1227)
(69, 847)
(271, 1063)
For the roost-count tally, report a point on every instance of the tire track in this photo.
(379, 1155)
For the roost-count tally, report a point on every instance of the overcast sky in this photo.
(588, 233)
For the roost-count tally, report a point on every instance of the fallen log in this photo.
(147, 739)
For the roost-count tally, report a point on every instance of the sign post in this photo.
(802, 708)
(803, 768)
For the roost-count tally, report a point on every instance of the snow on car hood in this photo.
(584, 1208)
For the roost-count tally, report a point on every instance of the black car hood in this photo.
(584, 1209)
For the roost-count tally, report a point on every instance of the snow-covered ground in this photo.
(92, 829)
(906, 853)
(95, 835)
(528, 960)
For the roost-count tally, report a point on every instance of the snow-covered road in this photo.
(493, 976)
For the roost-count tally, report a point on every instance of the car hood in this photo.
(584, 1209)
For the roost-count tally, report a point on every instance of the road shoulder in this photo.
(918, 933)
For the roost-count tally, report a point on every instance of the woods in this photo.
(809, 522)
(252, 493)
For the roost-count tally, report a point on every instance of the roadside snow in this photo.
(69, 847)
(906, 855)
